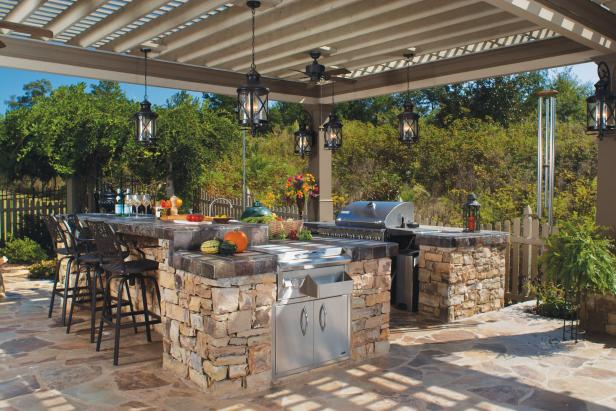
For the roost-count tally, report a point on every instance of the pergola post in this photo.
(320, 165)
(606, 167)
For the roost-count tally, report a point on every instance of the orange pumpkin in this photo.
(238, 238)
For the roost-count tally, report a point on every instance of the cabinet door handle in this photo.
(303, 321)
(323, 317)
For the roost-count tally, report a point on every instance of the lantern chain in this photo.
(253, 66)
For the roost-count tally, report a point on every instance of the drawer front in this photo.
(331, 328)
(294, 336)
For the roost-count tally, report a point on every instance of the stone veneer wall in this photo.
(370, 307)
(598, 314)
(460, 282)
(218, 333)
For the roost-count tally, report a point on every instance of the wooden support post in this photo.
(320, 165)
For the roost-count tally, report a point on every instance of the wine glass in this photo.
(146, 200)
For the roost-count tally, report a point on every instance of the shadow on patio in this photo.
(509, 359)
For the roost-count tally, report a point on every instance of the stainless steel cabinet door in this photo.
(331, 325)
(294, 336)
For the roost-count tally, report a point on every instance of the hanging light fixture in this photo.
(408, 121)
(145, 119)
(304, 136)
(252, 98)
(600, 106)
(332, 130)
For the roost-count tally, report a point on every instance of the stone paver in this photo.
(494, 361)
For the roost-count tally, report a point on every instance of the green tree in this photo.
(32, 91)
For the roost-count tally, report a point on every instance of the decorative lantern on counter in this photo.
(471, 215)
(601, 105)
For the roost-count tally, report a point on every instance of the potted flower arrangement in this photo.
(299, 188)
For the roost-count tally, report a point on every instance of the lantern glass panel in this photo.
(145, 125)
(609, 106)
(592, 114)
(471, 214)
(303, 142)
(253, 107)
(408, 127)
(333, 135)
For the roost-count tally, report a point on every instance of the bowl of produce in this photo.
(195, 218)
(221, 219)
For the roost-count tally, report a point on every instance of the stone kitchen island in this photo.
(218, 311)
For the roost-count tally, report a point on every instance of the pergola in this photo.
(204, 45)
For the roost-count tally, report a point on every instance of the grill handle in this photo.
(303, 321)
(323, 317)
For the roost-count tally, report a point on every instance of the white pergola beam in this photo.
(114, 22)
(334, 26)
(428, 42)
(170, 20)
(395, 39)
(73, 14)
(287, 14)
(21, 11)
(566, 26)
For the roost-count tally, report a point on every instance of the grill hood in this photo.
(375, 214)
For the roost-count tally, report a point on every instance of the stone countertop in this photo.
(253, 262)
(451, 237)
(185, 239)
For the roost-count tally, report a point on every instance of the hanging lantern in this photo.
(332, 131)
(145, 119)
(408, 121)
(600, 106)
(303, 138)
(252, 98)
(471, 215)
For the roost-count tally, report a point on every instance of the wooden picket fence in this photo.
(526, 245)
(235, 208)
(14, 207)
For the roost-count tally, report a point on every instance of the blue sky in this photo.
(12, 81)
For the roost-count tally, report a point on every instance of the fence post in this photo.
(526, 250)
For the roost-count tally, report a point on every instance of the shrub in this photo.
(23, 250)
(42, 270)
(551, 302)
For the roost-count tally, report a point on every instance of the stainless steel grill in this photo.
(376, 214)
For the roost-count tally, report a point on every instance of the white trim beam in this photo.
(73, 14)
(21, 11)
(565, 25)
(36, 55)
(114, 22)
(508, 60)
(336, 26)
(172, 19)
(286, 15)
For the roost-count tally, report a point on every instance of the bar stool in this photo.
(61, 253)
(127, 274)
(87, 260)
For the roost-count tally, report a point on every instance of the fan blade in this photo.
(336, 72)
(300, 71)
(35, 32)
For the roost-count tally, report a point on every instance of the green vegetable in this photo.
(304, 235)
(258, 220)
(227, 248)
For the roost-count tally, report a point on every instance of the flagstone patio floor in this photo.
(505, 360)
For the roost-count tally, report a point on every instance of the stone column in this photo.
(320, 165)
(606, 167)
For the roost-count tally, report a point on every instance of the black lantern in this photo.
(408, 121)
(471, 215)
(600, 106)
(252, 98)
(145, 119)
(332, 130)
(304, 136)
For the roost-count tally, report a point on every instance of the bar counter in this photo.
(217, 326)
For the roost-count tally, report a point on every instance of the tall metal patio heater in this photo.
(546, 143)
(145, 118)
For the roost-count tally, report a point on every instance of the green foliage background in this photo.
(478, 136)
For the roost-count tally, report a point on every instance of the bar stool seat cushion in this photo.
(132, 267)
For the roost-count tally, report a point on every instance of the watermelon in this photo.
(210, 247)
